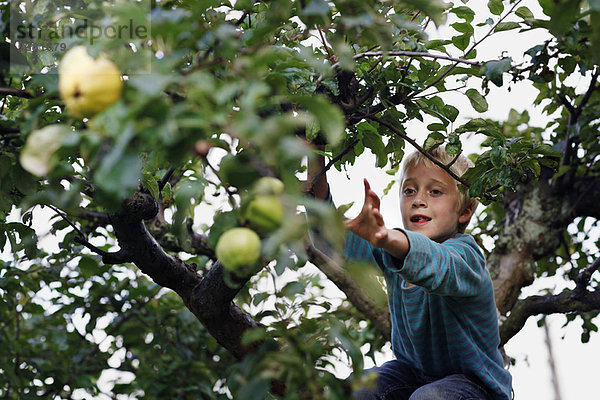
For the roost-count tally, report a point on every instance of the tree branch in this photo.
(378, 315)
(8, 91)
(331, 163)
(584, 277)
(414, 54)
(565, 302)
(442, 76)
(574, 114)
(209, 298)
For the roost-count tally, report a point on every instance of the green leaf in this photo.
(88, 266)
(435, 139)
(477, 100)
(316, 8)
(461, 41)
(450, 112)
(476, 188)
(373, 141)
(463, 27)
(480, 125)
(524, 13)
(561, 171)
(495, 6)
(454, 145)
(436, 126)
(150, 183)
(256, 389)
(495, 69)
(546, 150)
(253, 335)
(498, 156)
(167, 193)
(330, 117)
(463, 12)
(563, 16)
(222, 222)
(507, 26)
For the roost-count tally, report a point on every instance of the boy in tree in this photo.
(444, 322)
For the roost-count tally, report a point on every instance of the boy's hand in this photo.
(369, 223)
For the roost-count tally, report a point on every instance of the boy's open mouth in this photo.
(419, 218)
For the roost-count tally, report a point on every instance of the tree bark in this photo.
(208, 297)
(536, 217)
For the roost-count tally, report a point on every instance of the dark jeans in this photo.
(398, 381)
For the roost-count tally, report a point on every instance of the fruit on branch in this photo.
(268, 185)
(238, 250)
(88, 86)
(264, 213)
(36, 156)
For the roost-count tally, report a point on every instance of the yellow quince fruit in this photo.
(88, 86)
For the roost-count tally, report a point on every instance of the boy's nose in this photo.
(419, 202)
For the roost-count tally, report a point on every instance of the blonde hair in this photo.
(459, 167)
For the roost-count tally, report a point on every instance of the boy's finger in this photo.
(367, 187)
(378, 217)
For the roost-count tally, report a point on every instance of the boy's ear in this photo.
(466, 214)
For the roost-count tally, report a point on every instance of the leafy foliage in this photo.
(236, 91)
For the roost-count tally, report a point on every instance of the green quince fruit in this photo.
(264, 213)
(238, 250)
(268, 185)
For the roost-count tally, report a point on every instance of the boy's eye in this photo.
(436, 192)
(408, 191)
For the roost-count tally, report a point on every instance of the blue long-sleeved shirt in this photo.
(446, 323)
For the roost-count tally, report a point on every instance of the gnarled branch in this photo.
(565, 302)
(209, 298)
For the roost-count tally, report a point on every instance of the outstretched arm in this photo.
(369, 225)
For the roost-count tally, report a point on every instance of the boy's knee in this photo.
(364, 394)
(429, 392)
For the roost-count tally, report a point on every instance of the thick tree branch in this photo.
(565, 302)
(379, 315)
(536, 217)
(209, 298)
(584, 277)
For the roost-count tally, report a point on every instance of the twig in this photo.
(8, 91)
(574, 114)
(471, 48)
(418, 147)
(166, 178)
(118, 257)
(583, 278)
(332, 162)
(413, 54)
(425, 153)
(331, 57)
(451, 163)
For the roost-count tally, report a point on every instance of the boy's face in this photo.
(429, 202)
